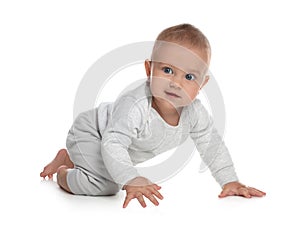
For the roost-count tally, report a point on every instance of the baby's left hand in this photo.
(236, 188)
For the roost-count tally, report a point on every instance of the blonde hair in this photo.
(186, 34)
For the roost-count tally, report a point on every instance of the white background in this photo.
(47, 46)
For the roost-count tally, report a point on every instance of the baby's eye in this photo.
(168, 70)
(190, 76)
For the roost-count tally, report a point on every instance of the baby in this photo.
(104, 144)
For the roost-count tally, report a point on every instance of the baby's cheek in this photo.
(193, 94)
(157, 85)
(189, 96)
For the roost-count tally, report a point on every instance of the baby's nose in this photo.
(175, 82)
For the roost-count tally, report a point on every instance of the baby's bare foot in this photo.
(62, 158)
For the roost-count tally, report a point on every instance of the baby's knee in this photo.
(62, 178)
(61, 174)
(62, 169)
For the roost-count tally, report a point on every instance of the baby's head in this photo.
(179, 63)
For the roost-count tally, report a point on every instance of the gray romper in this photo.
(106, 143)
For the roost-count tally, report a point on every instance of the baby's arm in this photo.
(210, 146)
(215, 155)
(125, 122)
(121, 129)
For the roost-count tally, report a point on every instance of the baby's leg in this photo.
(89, 175)
(61, 159)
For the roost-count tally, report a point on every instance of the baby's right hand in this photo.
(140, 187)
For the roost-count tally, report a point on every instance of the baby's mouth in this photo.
(172, 94)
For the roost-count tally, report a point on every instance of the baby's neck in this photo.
(168, 112)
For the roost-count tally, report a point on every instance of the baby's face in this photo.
(179, 81)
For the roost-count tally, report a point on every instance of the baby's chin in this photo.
(172, 103)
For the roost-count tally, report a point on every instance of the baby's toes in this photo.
(48, 171)
(43, 174)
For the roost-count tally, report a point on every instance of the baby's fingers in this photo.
(244, 192)
(256, 192)
(127, 200)
(142, 201)
(157, 187)
(226, 192)
(151, 197)
(156, 193)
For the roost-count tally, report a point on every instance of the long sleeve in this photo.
(211, 147)
(123, 126)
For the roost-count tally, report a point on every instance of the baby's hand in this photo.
(236, 188)
(140, 187)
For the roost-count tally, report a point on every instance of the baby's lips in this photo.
(172, 94)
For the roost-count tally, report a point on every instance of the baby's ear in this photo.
(206, 78)
(148, 67)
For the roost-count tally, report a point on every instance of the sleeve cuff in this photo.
(225, 176)
(127, 176)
